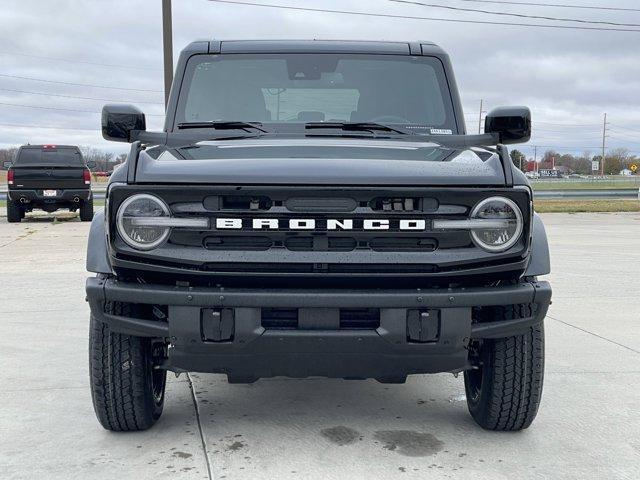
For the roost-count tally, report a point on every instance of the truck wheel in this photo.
(127, 391)
(504, 393)
(14, 212)
(86, 210)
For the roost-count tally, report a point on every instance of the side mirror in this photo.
(512, 124)
(91, 164)
(120, 121)
(7, 165)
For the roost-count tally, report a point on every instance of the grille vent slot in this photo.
(402, 244)
(403, 204)
(320, 244)
(359, 318)
(237, 243)
(350, 318)
(315, 204)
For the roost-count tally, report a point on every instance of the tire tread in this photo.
(118, 375)
(512, 388)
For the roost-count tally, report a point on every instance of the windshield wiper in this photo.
(224, 125)
(358, 127)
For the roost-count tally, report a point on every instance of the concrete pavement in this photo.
(324, 429)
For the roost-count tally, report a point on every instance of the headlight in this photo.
(499, 224)
(133, 221)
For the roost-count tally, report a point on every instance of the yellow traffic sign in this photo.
(634, 168)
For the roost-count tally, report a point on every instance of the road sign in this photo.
(634, 168)
(595, 165)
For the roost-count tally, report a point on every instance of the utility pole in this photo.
(167, 44)
(535, 159)
(521, 162)
(480, 118)
(604, 143)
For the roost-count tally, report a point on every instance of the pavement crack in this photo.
(200, 430)
(594, 334)
(22, 237)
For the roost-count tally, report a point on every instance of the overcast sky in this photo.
(569, 78)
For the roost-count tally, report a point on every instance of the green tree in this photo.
(519, 159)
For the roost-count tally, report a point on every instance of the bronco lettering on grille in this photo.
(313, 224)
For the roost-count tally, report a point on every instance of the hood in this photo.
(320, 161)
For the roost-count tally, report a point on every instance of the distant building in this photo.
(625, 172)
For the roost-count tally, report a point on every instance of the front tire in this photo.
(505, 391)
(86, 210)
(14, 212)
(127, 391)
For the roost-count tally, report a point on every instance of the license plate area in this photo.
(423, 326)
(49, 193)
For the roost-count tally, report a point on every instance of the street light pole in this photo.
(167, 44)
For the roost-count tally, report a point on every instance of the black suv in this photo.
(48, 177)
(316, 208)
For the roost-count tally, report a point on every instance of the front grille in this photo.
(339, 223)
(342, 219)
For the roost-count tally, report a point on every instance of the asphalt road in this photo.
(588, 426)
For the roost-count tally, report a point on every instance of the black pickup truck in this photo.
(317, 208)
(48, 177)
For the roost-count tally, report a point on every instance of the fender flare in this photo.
(97, 254)
(540, 260)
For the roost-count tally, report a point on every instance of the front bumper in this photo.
(385, 353)
(37, 196)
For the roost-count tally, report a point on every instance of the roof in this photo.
(48, 145)
(315, 46)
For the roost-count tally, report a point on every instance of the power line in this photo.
(581, 125)
(75, 96)
(554, 5)
(518, 15)
(434, 19)
(62, 109)
(46, 108)
(622, 139)
(626, 128)
(57, 59)
(536, 122)
(554, 147)
(559, 132)
(78, 84)
(48, 127)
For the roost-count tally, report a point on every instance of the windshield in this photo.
(303, 88)
(49, 157)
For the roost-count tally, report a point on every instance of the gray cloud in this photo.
(567, 77)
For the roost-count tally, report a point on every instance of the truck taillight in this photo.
(87, 177)
(10, 176)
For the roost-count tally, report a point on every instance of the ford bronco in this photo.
(317, 208)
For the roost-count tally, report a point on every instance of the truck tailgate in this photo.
(59, 178)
